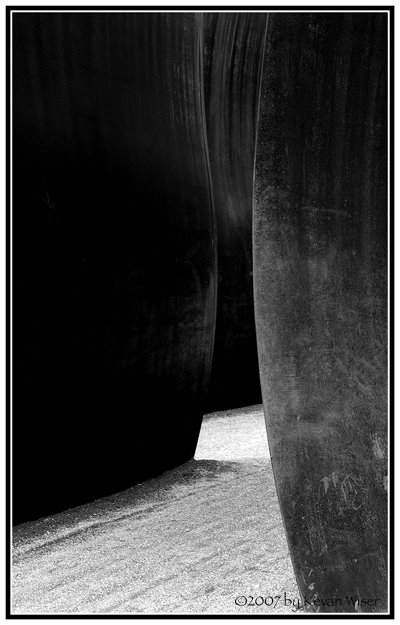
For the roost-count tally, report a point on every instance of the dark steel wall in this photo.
(114, 261)
(116, 198)
(233, 59)
(321, 297)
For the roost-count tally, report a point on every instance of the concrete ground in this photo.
(189, 542)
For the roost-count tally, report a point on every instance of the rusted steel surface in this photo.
(136, 149)
(114, 252)
(233, 54)
(320, 262)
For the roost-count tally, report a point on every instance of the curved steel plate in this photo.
(114, 263)
(320, 293)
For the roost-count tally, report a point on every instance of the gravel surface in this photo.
(188, 542)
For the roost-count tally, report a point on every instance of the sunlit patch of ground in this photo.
(233, 435)
(189, 542)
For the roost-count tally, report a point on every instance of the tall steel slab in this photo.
(113, 252)
(233, 54)
(320, 262)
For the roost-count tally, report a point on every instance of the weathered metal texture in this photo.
(113, 252)
(320, 251)
(233, 53)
